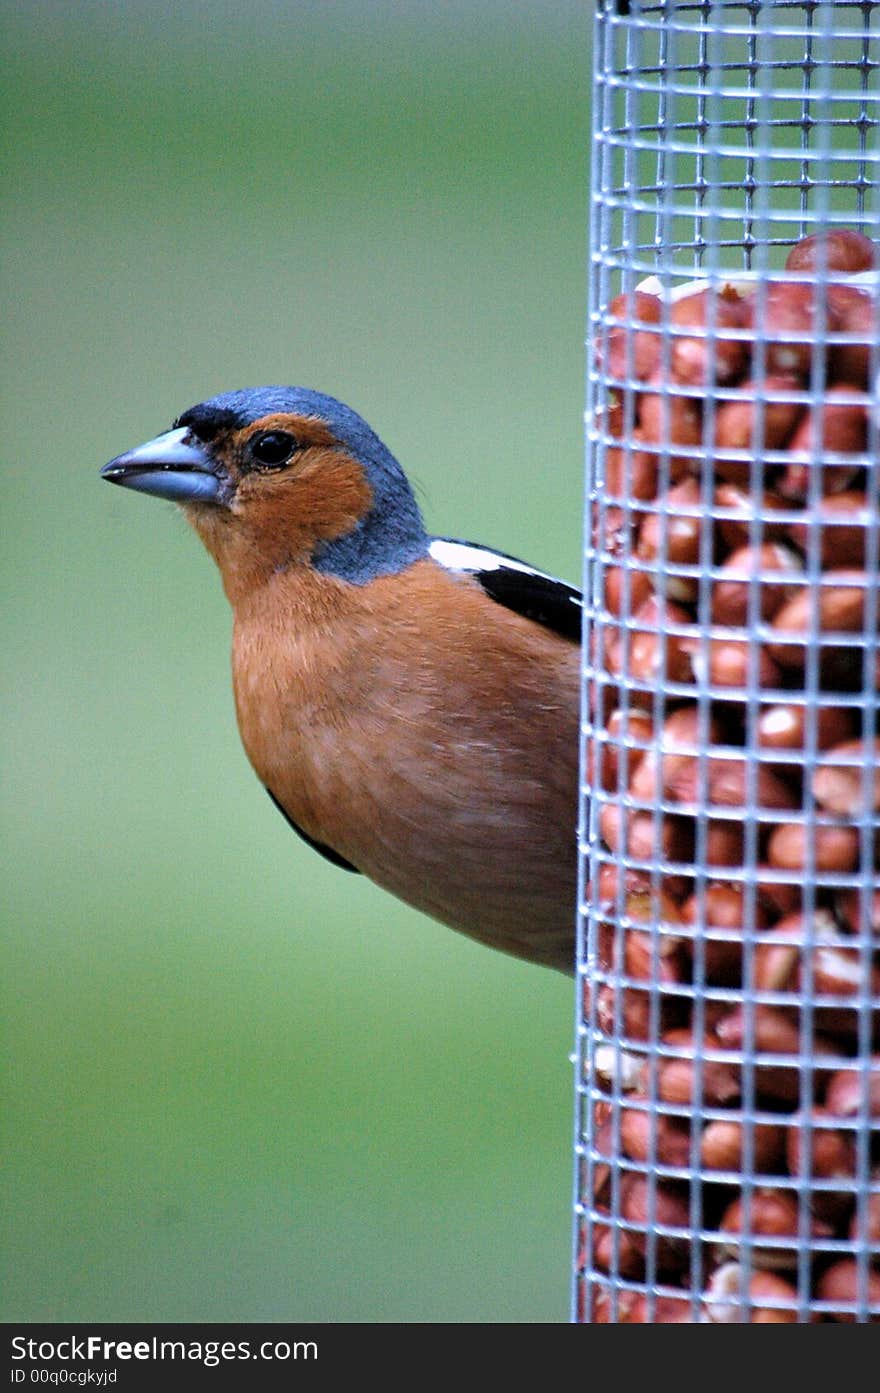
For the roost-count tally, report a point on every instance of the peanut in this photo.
(723, 1300)
(784, 315)
(631, 348)
(840, 1285)
(653, 650)
(721, 905)
(857, 317)
(670, 1135)
(667, 419)
(723, 1146)
(635, 1308)
(843, 522)
(756, 567)
(673, 532)
(617, 753)
(785, 727)
(629, 473)
(832, 1151)
(832, 848)
(628, 1262)
(735, 663)
(841, 249)
(839, 609)
(634, 833)
(678, 1075)
(768, 1214)
(837, 426)
(774, 1033)
(626, 589)
(737, 507)
(656, 1204)
(839, 782)
(713, 355)
(754, 423)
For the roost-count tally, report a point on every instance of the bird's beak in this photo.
(173, 466)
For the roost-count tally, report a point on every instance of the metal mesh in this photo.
(728, 1064)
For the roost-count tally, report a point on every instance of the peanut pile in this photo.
(705, 586)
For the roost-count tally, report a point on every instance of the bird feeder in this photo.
(728, 1061)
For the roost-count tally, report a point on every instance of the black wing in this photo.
(332, 856)
(553, 603)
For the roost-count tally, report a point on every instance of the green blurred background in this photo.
(241, 1085)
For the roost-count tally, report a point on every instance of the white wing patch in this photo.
(533, 594)
(463, 556)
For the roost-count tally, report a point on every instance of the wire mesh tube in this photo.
(728, 1130)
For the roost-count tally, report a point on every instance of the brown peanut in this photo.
(629, 1261)
(646, 955)
(777, 961)
(618, 753)
(722, 1146)
(626, 589)
(838, 425)
(841, 249)
(731, 662)
(615, 882)
(635, 1012)
(839, 608)
(768, 1214)
(769, 569)
(652, 649)
(784, 726)
(713, 355)
(631, 348)
(644, 1201)
(766, 1286)
(832, 1151)
(754, 423)
(678, 1075)
(668, 419)
(695, 781)
(839, 782)
(634, 1308)
(724, 1304)
(674, 531)
(740, 507)
(836, 969)
(779, 897)
(630, 473)
(671, 1135)
(784, 315)
(774, 1033)
(636, 834)
(721, 905)
(725, 843)
(843, 522)
(832, 848)
(857, 317)
(658, 775)
(841, 1283)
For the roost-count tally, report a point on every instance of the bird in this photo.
(410, 702)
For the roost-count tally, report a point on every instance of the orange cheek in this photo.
(320, 499)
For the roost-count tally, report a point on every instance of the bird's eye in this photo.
(272, 449)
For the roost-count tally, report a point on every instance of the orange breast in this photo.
(430, 737)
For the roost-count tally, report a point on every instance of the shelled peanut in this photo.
(739, 458)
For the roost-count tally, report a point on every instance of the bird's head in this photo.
(278, 477)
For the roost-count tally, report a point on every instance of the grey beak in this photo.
(172, 466)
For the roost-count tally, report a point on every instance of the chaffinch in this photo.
(410, 702)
